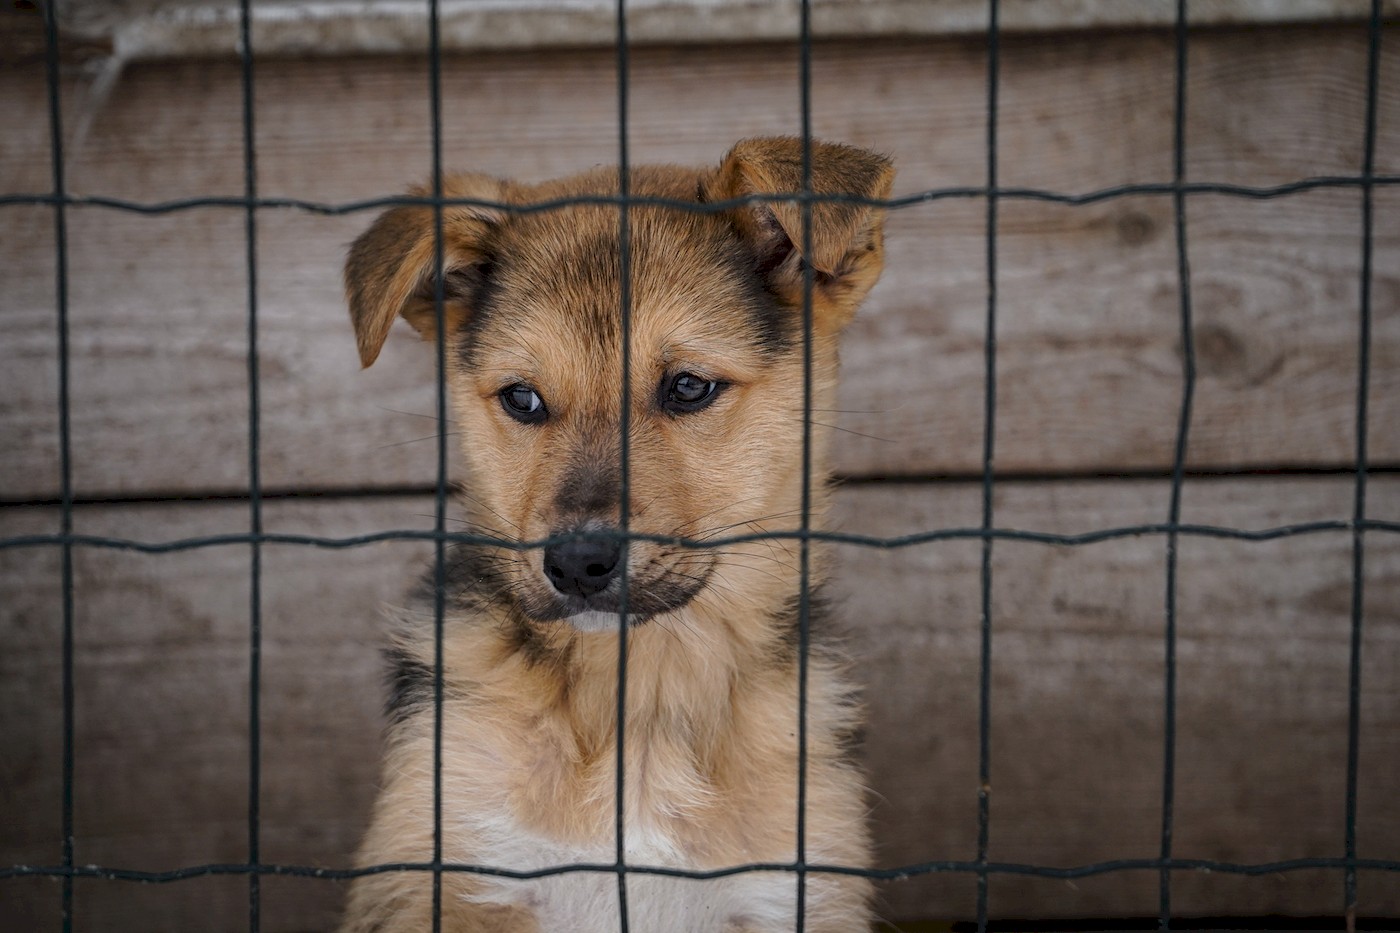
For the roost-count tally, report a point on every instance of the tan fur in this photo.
(529, 712)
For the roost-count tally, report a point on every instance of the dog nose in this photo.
(582, 566)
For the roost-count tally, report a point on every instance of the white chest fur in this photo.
(589, 902)
(671, 809)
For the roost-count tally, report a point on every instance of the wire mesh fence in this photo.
(1346, 863)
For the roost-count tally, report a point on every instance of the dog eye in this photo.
(687, 392)
(523, 403)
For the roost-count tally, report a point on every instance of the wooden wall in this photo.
(1089, 388)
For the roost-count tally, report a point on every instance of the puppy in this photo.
(534, 363)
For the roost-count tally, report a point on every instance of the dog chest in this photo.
(587, 901)
(676, 818)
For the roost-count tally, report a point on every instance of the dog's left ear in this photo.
(847, 243)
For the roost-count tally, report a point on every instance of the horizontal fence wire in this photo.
(897, 873)
(836, 537)
(1172, 530)
(226, 495)
(966, 192)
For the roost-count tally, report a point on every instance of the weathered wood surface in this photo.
(1077, 665)
(162, 681)
(1089, 358)
(1077, 693)
(186, 28)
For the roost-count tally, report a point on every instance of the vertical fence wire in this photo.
(1183, 429)
(804, 554)
(250, 194)
(440, 490)
(1363, 384)
(65, 460)
(989, 434)
(624, 451)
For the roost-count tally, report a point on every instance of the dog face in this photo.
(532, 315)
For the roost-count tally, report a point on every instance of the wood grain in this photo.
(1077, 692)
(162, 680)
(162, 730)
(306, 27)
(1089, 345)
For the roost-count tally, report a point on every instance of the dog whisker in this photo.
(473, 499)
(757, 570)
(852, 411)
(755, 523)
(679, 619)
(489, 530)
(679, 529)
(417, 414)
(417, 440)
(837, 427)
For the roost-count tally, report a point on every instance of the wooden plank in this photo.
(316, 27)
(1089, 359)
(1077, 688)
(162, 668)
(161, 676)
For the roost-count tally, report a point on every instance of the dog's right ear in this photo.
(389, 271)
